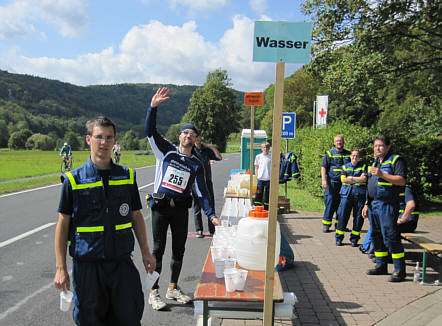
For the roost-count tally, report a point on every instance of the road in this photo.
(27, 226)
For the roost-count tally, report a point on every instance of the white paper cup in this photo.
(66, 300)
(230, 263)
(241, 278)
(229, 279)
(150, 279)
(219, 267)
(217, 252)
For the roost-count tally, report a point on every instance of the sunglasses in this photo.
(189, 132)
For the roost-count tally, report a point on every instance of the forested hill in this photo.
(50, 106)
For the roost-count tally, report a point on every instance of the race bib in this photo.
(175, 179)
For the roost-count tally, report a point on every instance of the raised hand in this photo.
(160, 96)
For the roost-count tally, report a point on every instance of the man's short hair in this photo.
(266, 144)
(383, 138)
(100, 121)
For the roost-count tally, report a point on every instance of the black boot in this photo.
(339, 243)
(382, 270)
(325, 228)
(397, 277)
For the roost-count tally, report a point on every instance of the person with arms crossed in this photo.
(408, 212)
(353, 193)
(177, 170)
(263, 163)
(99, 212)
(331, 170)
(205, 153)
(386, 180)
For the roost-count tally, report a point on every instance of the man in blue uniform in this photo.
(353, 193)
(408, 212)
(99, 212)
(386, 180)
(206, 153)
(331, 170)
(177, 170)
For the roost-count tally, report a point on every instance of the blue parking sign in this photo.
(288, 125)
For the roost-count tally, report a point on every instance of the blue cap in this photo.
(189, 126)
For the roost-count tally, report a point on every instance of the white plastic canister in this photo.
(251, 240)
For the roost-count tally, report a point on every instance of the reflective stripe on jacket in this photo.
(336, 160)
(386, 191)
(357, 189)
(101, 223)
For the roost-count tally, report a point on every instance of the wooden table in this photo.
(211, 288)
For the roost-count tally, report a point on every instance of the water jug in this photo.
(251, 240)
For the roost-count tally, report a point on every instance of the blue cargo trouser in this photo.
(383, 219)
(107, 293)
(347, 204)
(331, 201)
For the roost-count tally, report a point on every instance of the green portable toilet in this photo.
(259, 137)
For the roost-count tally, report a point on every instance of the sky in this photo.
(89, 42)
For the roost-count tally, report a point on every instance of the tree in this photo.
(173, 132)
(18, 139)
(213, 109)
(41, 142)
(73, 139)
(364, 48)
(130, 141)
(4, 134)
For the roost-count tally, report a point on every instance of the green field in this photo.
(27, 169)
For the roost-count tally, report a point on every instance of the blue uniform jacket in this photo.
(288, 168)
(101, 225)
(333, 161)
(355, 189)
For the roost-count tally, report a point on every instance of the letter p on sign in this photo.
(288, 125)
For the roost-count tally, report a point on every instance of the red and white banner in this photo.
(321, 109)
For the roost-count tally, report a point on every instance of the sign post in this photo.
(252, 99)
(288, 132)
(278, 42)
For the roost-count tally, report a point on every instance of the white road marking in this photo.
(29, 190)
(139, 188)
(17, 306)
(24, 235)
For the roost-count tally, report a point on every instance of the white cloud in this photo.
(258, 6)
(18, 17)
(158, 53)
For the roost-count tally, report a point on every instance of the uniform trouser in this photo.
(383, 219)
(407, 227)
(107, 293)
(331, 201)
(177, 218)
(262, 194)
(368, 245)
(197, 214)
(346, 205)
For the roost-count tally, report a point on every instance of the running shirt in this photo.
(175, 172)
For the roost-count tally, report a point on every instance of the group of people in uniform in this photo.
(377, 192)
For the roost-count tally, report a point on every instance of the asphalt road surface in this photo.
(27, 262)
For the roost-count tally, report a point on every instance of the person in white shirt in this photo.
(262, 170)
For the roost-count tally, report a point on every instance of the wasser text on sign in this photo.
(267, 42)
